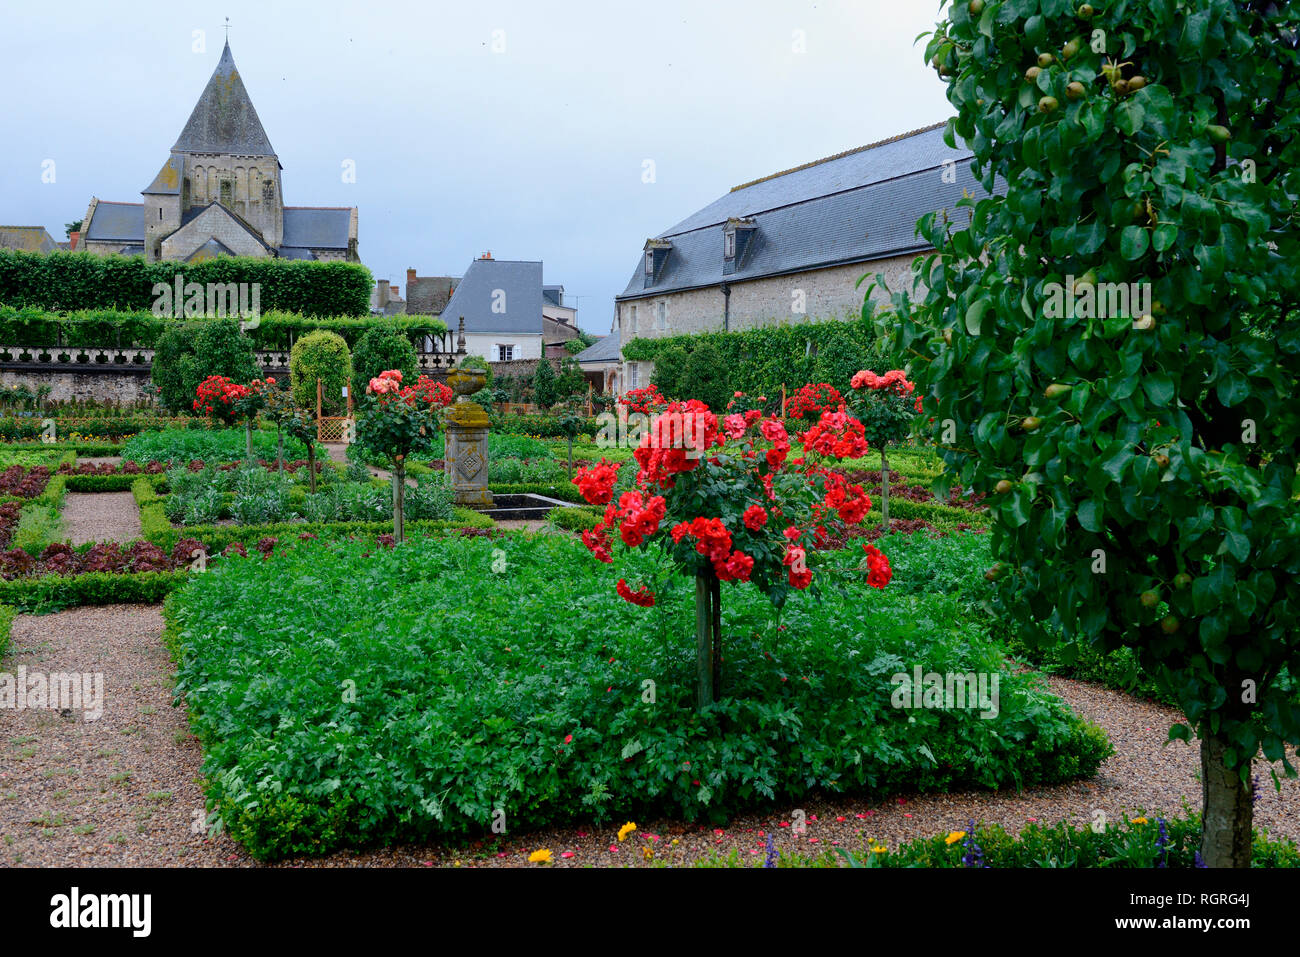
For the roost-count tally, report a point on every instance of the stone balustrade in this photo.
(52, 358)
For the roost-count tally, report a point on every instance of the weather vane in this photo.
(227, 29)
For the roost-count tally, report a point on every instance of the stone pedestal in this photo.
(466, 458)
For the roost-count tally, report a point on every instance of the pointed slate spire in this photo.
(224, 120)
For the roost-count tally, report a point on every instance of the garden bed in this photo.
(465, 678)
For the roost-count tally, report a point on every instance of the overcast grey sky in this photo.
(533, 152)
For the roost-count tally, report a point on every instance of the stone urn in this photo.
(466, 458)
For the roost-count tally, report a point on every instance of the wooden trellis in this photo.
(333, 428)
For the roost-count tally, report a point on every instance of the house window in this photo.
(632, 375)
(649, 262)
(661, 316)
(505, 353)
(634, 329)
(729, 244)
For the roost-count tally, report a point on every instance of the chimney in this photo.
(76, 235)
(486, 255)
(410, 277)
(396, 292)
(382, 297)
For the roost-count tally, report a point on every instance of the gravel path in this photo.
(101, 517)
(101, 460)
(124, 789)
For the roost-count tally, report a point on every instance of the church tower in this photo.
(223, 155)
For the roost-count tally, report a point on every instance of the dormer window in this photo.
(656, 254)
(737, 235)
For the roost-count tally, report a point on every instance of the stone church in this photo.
(220, 193)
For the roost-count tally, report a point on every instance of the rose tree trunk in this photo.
(399, 499)
(708, 637)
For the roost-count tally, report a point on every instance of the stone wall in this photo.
(119, 386)
(830, 293)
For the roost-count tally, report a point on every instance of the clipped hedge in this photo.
(83, 449)
(121, 482)
(52, 592)
(7, 613)
(564, 492)
(80, 280)
(39, 328)
(760, 361)
(546, 426)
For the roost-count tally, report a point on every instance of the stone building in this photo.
(792, 246)
(32, 239)
(220, 193)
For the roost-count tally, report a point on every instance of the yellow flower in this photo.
(879, 850)
(539, 857)
(625, 830)
(648, 852)
(1139, 820)
(954, 837)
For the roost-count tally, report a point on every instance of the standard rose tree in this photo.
(727, 503)
(230, 402)
(886, 406)
(397, 421)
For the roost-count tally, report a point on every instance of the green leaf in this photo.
(1133, 242)
(975, 315)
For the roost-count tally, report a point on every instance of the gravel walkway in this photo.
(101, 517)
(124, 789)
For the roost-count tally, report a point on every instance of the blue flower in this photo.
(1162, 839)
(974, 856)
(770, 860)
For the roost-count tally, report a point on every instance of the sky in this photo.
(565, 131)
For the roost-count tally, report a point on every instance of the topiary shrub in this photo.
(705, 378)
(378, 350)
(320, 355)
(173, 349)
(190, 352)
(545, 391)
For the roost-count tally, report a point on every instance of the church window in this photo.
(268, 190)
(227, 192)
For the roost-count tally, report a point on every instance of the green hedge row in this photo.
(83, 449)
(7, 613)
(67, 281)
(760, 361)
(38, 328)
(113, 428)
(546, 426)
(112, 483)
(565, 493)
(52, 592)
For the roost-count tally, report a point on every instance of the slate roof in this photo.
(853, 207)
(168, 180)
(296, 252)
(224, 120)
(604, 349)
(520, 281)
(213, 247)
(554, 295)
(113, 222)
(317, 227)
(32, 239)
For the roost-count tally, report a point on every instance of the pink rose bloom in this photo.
(734, 426)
